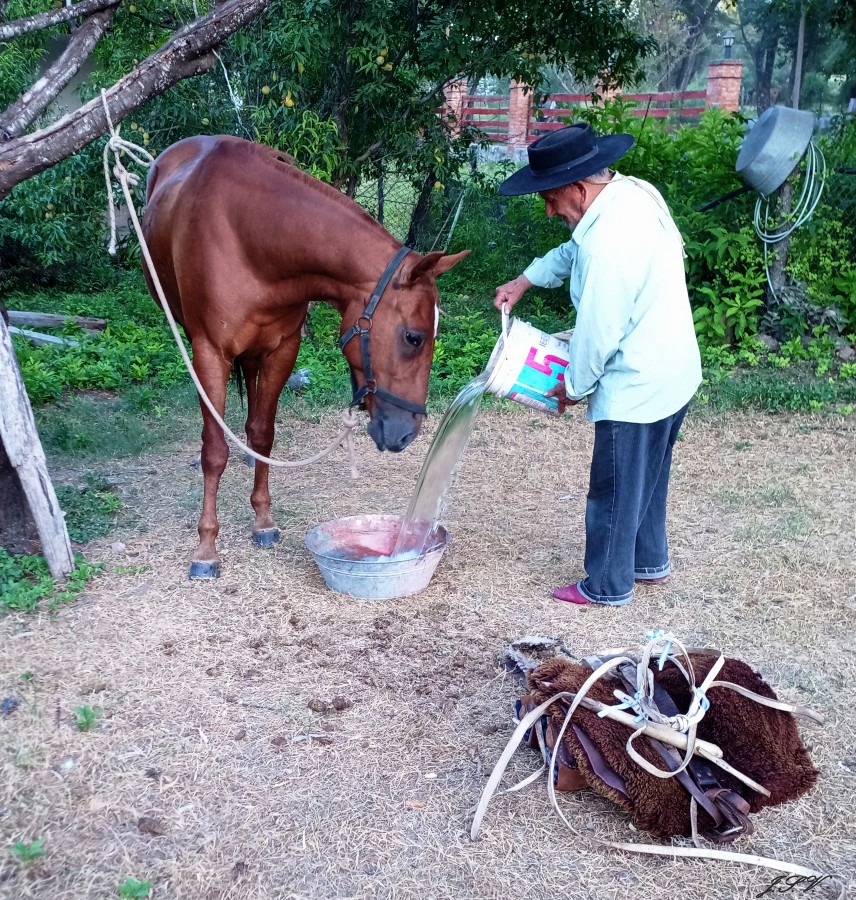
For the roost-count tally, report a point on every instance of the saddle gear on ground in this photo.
(759, 741)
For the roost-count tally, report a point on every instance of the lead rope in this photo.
(663, 732)
(127, 179)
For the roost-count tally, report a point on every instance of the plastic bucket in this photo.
(525, 364)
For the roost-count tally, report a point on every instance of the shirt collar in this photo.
(598, 205)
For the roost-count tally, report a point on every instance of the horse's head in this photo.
(389, 345)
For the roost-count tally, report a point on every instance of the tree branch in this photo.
(32, 104)
(52, 17)
(185, 54)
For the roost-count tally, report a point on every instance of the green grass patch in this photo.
(131, 888)
(85, 717)
(795, 389)
(28, 852)
(25, 582)
(93, 427)
(90, 511)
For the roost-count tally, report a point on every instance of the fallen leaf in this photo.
(414, 804)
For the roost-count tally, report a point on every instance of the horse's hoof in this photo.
(249, 461)
(266, 538)
(204, 571)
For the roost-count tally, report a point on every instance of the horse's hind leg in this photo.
(250, 370)
(213, 372)
(273, 372)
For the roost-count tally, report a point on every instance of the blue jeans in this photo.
(626, 507)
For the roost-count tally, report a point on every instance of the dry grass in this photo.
(217, 730)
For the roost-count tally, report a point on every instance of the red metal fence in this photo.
(491, 114)
(488, 114)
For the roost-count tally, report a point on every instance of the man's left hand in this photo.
(564, 401)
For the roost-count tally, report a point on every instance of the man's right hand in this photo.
(510, 292)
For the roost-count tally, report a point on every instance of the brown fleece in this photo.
(760, 742)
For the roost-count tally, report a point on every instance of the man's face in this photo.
(566, 202)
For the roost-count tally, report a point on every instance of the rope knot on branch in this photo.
(119, 146)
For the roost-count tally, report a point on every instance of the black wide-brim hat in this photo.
(564, 156)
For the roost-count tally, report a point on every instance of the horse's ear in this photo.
(434, 264)
(449, 262)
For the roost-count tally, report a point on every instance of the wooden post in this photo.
(24, 450)
(519, 113)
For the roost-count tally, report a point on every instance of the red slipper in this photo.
(571, 594)
(661, 580)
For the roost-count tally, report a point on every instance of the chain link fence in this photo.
(840, 196)
(423, 216)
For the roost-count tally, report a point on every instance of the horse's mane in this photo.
(275, 158)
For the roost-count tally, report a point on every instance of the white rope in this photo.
(117, 145)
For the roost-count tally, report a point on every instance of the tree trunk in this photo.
(780, 250)
(420, 213)
(796, 88)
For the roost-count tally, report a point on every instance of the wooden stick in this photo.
(36, 337)
(666, 735)
(54, 320)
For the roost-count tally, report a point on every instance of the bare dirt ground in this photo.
(222, 769)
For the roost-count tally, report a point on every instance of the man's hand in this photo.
(510, 292)
(559, 393)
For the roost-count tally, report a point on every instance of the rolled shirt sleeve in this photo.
(551, 270)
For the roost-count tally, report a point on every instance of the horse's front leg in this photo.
(213, 372)
(273, 373)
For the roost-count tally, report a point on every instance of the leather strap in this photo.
(364, 333)
(729, 811)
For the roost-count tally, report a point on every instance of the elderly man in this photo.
(633, 352)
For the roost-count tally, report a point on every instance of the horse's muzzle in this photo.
(391, 428)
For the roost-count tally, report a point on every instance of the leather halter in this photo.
(365, 319)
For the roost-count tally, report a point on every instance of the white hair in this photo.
(601, 177)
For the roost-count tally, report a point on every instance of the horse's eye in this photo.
(414, 338)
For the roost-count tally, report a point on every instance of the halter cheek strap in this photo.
(362, 328)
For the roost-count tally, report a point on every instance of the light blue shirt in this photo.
(633, 352)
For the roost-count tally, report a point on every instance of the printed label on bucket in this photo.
(532, 364)
(541, 372)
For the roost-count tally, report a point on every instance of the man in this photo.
(633, 352)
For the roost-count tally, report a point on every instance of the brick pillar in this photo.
(455, 93)
(519, 112)
(724, 78)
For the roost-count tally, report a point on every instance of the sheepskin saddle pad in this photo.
(758, 741)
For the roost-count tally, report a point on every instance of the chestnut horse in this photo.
(242, 241)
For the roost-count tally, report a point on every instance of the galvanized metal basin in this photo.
(353, 556)
(774, 147)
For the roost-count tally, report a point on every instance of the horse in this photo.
(242, 240)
